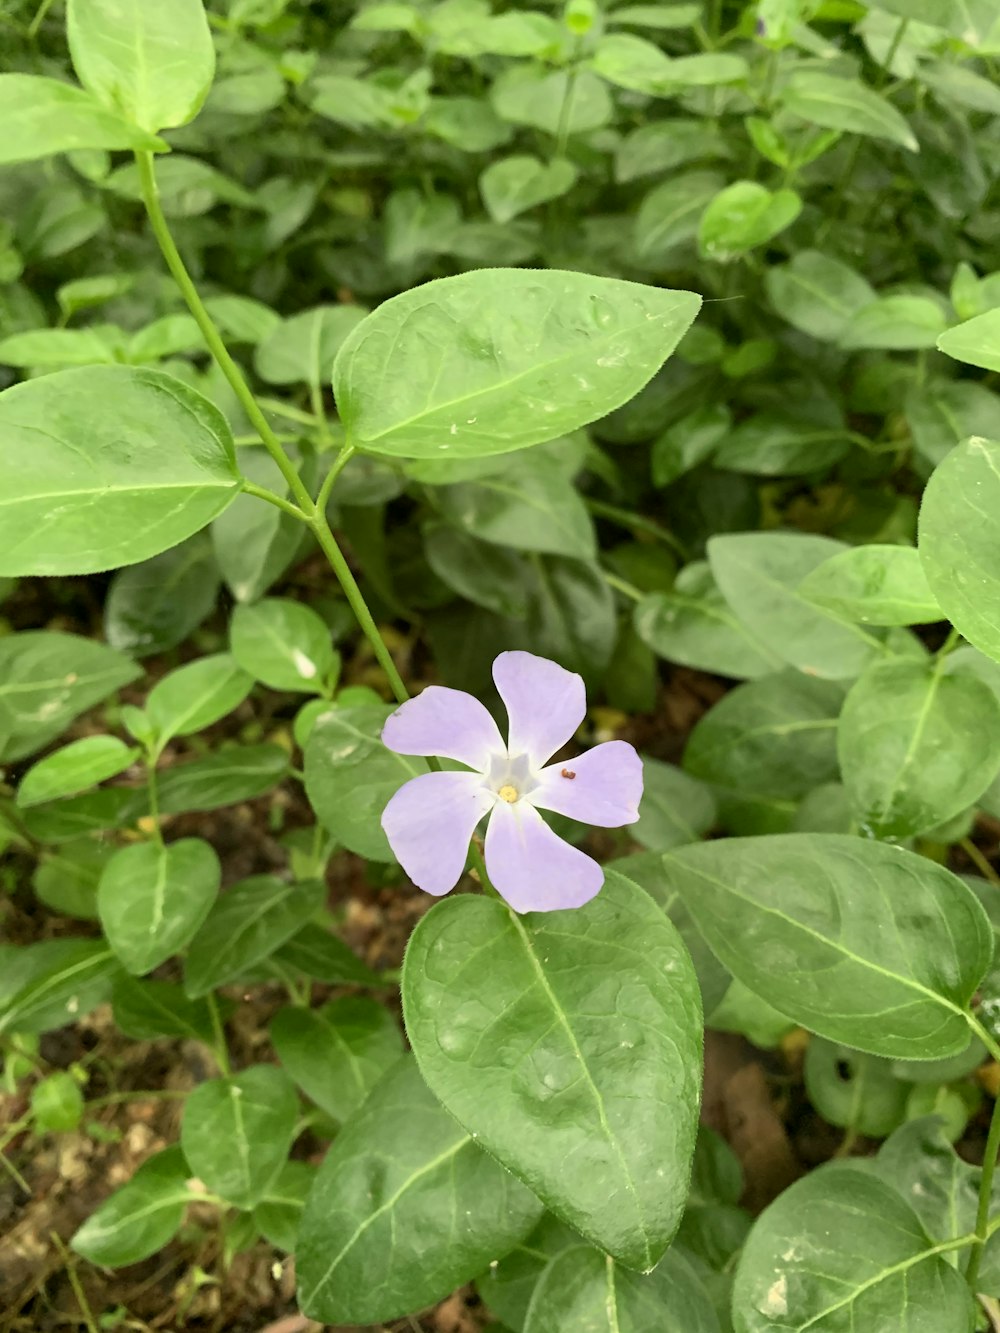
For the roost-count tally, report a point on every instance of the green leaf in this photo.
(895, 323)
(350, 776)
(532, 95)
(153, 65)
(54, 983)
(694, 626)
(338, 1053)
(874, 585)
(817, 293)
(66, 879)
(919, 1162)
(153, 606)
(689, 442)
(917, 745)
(254, 542)
(196, 695)
(807, 437)
(279, 1212)
(236, 1132)
(90, 812)
(743, 216)
(500, 359)
(511, 186)
(674, 808)
(56, 348)
(442, 1209)
(946, 412)
(960, 541)
(56, 1103)
(776, 736)
(852, 1090)
(859, 941)
(48, 678)
(45, 116)
(759, 574)
(656, 148)
(482, 573)
(319, 954)
(77, 500)
(846, 104)
(152, 899)
(582, 1289)
(840, 1249)
(633, 63)
(237, 773)
(145, 1010)
(285, 645)
(74, 768)
(141, 1217)
(302, 349)
(976, 342)
(591, 1105)
(247, 923)
(669, 215)
(508, 1285)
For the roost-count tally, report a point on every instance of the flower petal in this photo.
(429, 822)
(531, 867)
(446, 722)
(545, 703)
(603, 786)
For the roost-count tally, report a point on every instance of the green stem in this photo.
(629, 589)
(890, 55)
(220, 1048)
(950, 643)
(985, 1197)
(154, 799)
(627, 519)
(281, 409)
(338, 465)
(213, 339)
(39, 18)
(262, 493)
(979, 861)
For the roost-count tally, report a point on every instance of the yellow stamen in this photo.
(508, 794)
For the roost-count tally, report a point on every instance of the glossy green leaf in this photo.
(859, 941)
(48, 678)
(45, 116)
(154, 605)
(54, 983)
(976, 342)
(874, 585)
(743, 216)
(279, 1212)
(593, 1104)
(511, 186)
(196, 695)
(817, 293)
(76, 500)
(846, 104)
(840, 1248)
(302, 349)
(438, 1212)
(350, 776)
(74, 768)
(152, 899)
(917, 745)
(511, 358)
(675, 808)
(582, 1289)
(236, 1132)
(759, 574)
(237, 773)
(153, 65)
(141, 1217)
(284, 644)
(960, 541)
(338, 1053)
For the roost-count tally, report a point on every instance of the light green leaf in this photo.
(669, 215)
(54, 983)
(443, 1211)
(917, 745)
(279, 1212)
(482, 573)
(500, 359)
(302, 349)
(675, 808)
(338, 1053)
(874, 585)
(663, 144)
(817, 293)
(153, 606)
(632, 62)
(44, 116)
(74, 768)
(77, 500)
(48, 678)
(846, 104)
(350, 776)
(152, 899)
(237, 773)
(895, 323)
(960, 541)
(153, 64)
(141, 1217)
(285, 645)
(527, 94)
(801, 438)
(857, 940)
(743, 216)
(255, 543)
(854, 1091)
(840, 1249)
(511, 186)
(592, 1105)
(42, 349)
(196, 695)
(759, 574)
(689, 442)
(976, 342)
(946, 412)
(236, 1132)
(56, 1103)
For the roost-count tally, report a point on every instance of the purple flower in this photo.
(431, 819)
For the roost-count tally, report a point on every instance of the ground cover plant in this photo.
(545, 460)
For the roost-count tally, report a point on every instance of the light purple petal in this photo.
(449, 723)
(532, 868)
(545, 703)
(429, 823)
(603, 786)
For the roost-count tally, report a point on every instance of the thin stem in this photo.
(890, 55)
(39, 18)
(338, 465)
(479, 865)
(281, 409)
(213, 339)
(220, 1048)
(154, 799)
(262, 493)
(985, 1197)
(319, 410)
(321, 529)
(629, 589)
(70, 1262)
(979, 861)
(627, 519)
(950, 643)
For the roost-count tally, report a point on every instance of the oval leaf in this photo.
(141, 1217)
(74, 768)
(43, 116)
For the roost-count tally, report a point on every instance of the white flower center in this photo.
(510, 777)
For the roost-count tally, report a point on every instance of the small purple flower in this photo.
(431, 819)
